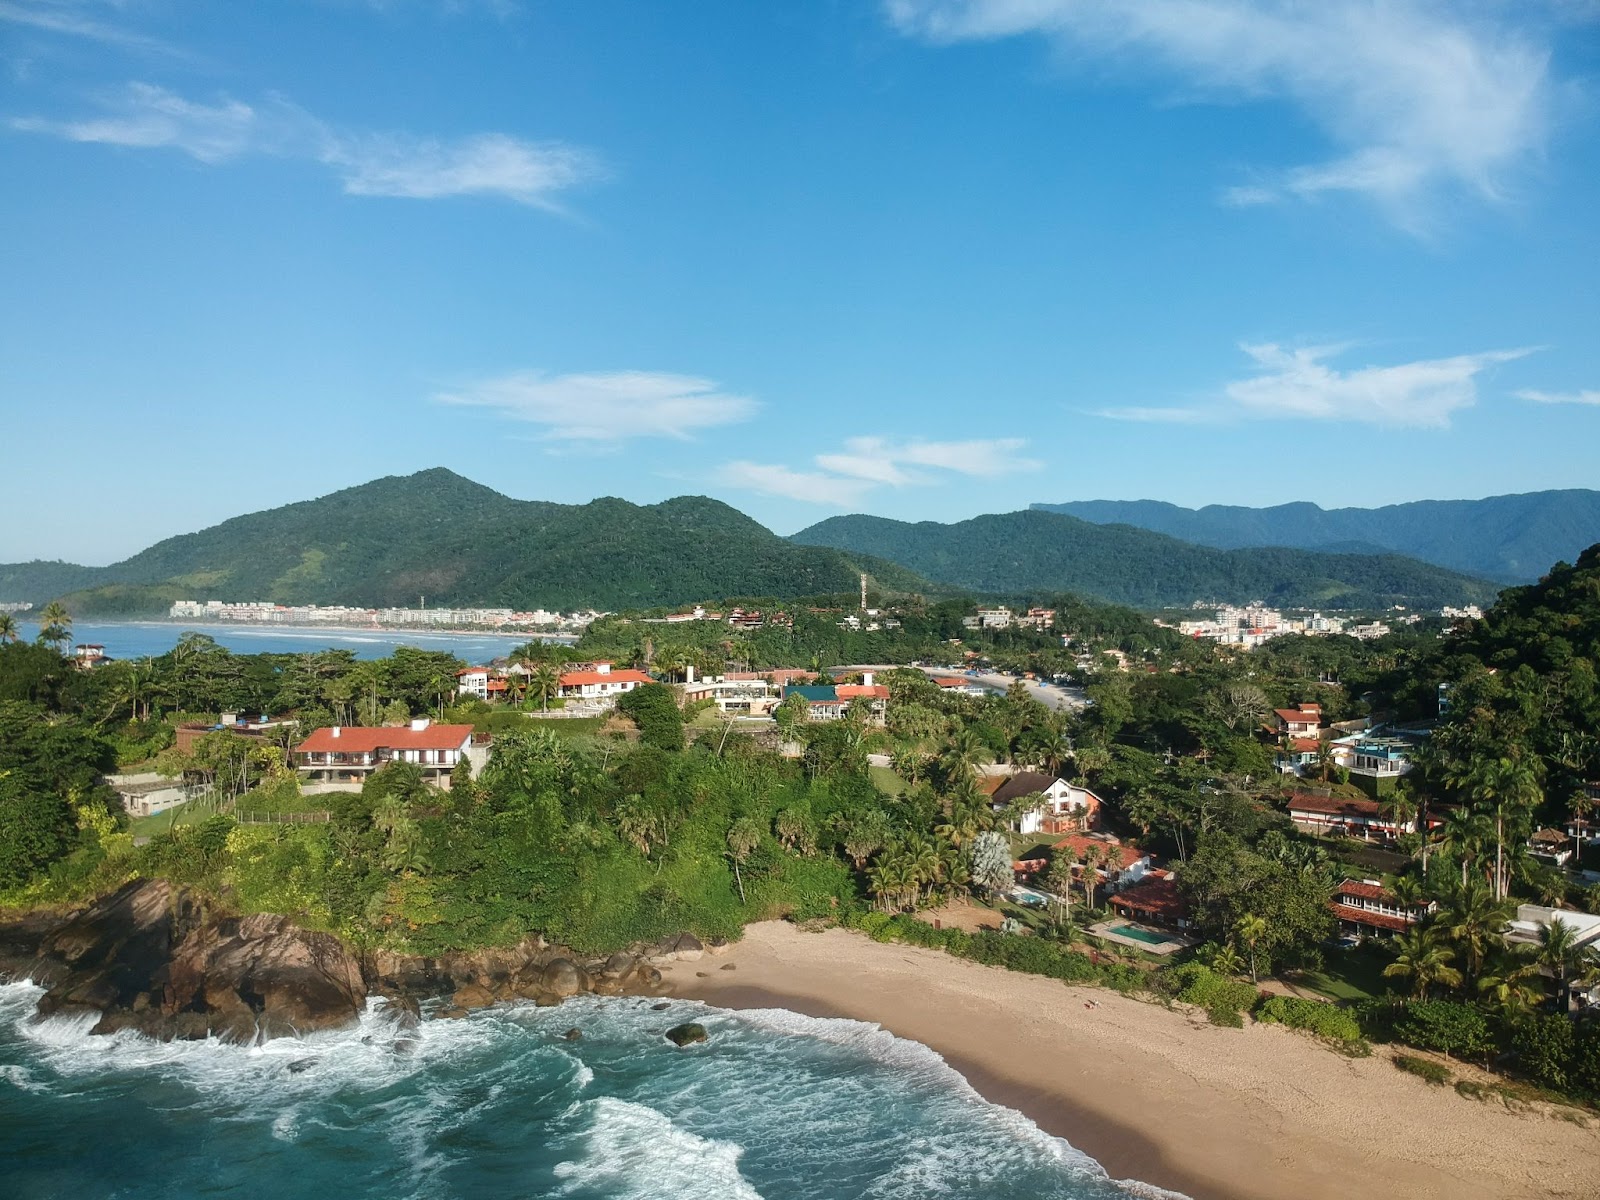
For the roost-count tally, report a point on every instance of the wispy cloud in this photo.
(1299, 383)
(1538, 397)
(607, 406)
(1413, 95)
(74, 19)
(812, 487)
(865, 463)
(145, 116)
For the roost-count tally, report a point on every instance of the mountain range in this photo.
(439, 535)
(1034, 552)
(1514, 539)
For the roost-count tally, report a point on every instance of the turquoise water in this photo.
(142, 639)
(775, 1106)
(1141, 935)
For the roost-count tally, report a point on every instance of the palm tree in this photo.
(1582, 805)
(1506, 982)
(1559, 956)
(744, 835)
(8, 628)
(1407, 892)
(964, 751)
(55, 625)
(1504, 787)
(545, 683)
(1475, 924)
(1424, 961)
(1250, 929)
(1463, 833)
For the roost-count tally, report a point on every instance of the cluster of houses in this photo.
(1001, 617)
(265, 612)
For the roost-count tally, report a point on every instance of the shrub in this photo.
(1225, 1000)
(1435, 1073)
(1544, 1049)
(1445, 1026)
(1314, 1016)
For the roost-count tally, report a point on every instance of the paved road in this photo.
(1049, 694)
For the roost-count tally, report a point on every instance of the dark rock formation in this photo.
(164, 961)
(686, 1034)
(150, 957)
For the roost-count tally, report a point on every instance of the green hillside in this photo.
(1038, 551)
(1511, 538)
(438, 535)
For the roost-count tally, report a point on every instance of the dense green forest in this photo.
(1009, 552)
(659, 820)
(1509, 538)
(438, 535)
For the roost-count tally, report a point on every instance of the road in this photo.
(1064, 699)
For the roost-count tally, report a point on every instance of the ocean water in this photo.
(498, 1104)
(145, 639)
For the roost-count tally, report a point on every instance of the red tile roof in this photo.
(857, 691)
(359, 740)
(1158, 896)
(1304, 745)
(1366, 891)
(1124, 855)
(579, 678)
(472, 671)
(1347, 912)
(1297, 716)
(1331, 806)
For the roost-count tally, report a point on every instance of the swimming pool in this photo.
(1140, 935)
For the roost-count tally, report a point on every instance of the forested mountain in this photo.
(1514, 539)
(1038, 551)
(438, 535)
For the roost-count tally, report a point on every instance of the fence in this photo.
(282, 818)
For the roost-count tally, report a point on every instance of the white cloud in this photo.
(1299, 383)
(145, 116)
(871, 462)
(812, 487)
(1538, 397)
(70, 19)
(1158, 416)
(1412, 94)
(607, 406)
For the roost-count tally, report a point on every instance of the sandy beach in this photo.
(1260, 1113)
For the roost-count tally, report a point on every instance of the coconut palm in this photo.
(1508, 982)
(1475, 923)
(1425, 961)
(55, 625)
(8, 628)
(1506, 789)
(1463, 833)
(1559, 956)
(964, 751)
(744, 835)
(1250, 929)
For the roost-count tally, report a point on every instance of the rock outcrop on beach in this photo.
(163, 961)
(153, 958)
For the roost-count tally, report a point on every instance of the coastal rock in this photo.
(154, 958)
(563, 977)
(471, 995)
(686, 1034)
(573, 1035)
(683, 947)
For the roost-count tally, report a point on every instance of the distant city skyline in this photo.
(920, 258)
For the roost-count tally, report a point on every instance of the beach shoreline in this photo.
(1158, 1095)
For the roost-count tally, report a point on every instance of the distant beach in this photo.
(1260, 1113)
(142, 639)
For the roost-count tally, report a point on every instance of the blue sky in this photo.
(922, 258)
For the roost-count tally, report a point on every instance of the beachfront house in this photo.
(346, 754)
(1117, 864)
(481, 682)
(1040, 803)
(1365, 907)
(831, 701)
(601, 681)
(1154, 900)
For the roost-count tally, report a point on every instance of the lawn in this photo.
(886, 781)
(183, 814)
(1348, 976)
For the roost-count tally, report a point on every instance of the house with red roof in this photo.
(482, 682)
(1154, 900)
(348, 754)
(1302, 721)
(1041, 803)
(1366, 907)
(601, 682)
(1117, 864)
(1362, 818)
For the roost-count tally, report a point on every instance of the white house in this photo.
(1065, 807)
(601, 682)
(348, 754)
